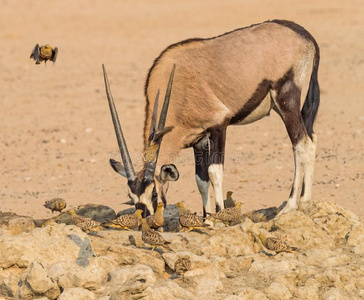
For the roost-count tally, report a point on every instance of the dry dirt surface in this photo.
(57, 134)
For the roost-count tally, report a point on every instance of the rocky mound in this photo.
(59, 261)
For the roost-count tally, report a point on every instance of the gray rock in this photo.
(127, 211)
(97, 212)
(171, 212)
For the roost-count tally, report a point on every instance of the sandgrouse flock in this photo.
(152, 225)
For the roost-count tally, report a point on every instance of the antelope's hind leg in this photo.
(287, 105)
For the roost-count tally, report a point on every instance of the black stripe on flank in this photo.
(253, 102)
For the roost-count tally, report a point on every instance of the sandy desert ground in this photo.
(57, 134)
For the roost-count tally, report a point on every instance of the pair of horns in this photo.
(155, 133)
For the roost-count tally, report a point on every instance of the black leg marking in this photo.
(209, 159)
(201, 171)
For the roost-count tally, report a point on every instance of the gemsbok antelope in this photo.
(234, 78)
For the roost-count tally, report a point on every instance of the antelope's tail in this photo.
(312, 101)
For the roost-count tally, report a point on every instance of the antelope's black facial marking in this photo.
(143, 193)
(155, 199)
(141, 206)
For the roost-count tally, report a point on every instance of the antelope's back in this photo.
(215, 77)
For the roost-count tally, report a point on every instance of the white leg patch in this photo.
(216, 174)
(308, 176)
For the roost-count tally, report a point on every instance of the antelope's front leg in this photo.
(202, 178)
(216, 162)
(209, 161)
(216, 175)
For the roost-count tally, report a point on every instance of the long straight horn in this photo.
(128, 165)
(153, 124)
(151, 165)
(163, 116)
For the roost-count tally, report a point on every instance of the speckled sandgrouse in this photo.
(86, 224)
(188, 220)
(182, 265)
(228, 215)
(275, 244)
(127, 221)
(152, 237)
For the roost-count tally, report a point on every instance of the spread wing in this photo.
(35, 53)
(54, 54)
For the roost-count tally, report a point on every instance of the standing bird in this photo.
(44, 53)
(228, 215)
(229, 202)
(150, 236)
(86, 224)
(157, 220)
(127, 222)
(56, 204)
(182, 265)
(188, 220)
(275, 244)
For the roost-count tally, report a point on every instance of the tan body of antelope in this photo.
(235, 78)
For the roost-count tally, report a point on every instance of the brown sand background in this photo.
(56, 130)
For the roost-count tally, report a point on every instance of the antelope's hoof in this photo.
(289, 206)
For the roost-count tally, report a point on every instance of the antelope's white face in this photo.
(145, 193)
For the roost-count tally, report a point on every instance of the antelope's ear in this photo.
(169, 173)
(118, 167)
